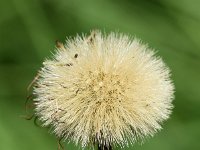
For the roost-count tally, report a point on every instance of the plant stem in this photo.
(101, 147)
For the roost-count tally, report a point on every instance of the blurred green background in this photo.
(29, 28)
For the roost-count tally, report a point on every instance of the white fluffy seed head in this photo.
(105, 89)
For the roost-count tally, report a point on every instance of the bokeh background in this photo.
(29, 29)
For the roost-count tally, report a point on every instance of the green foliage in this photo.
(29, 29)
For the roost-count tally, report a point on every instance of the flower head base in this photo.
(105, 89)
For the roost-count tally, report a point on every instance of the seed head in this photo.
(105, 89)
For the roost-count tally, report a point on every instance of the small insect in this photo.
(60, 45)
(69, 64)
(76, 55)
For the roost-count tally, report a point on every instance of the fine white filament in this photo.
(105, 89)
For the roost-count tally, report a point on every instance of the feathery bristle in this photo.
(105, 89)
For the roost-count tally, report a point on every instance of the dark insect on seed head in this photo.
(76, 55)
(69, 64)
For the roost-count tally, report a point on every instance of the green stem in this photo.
(101, 147)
